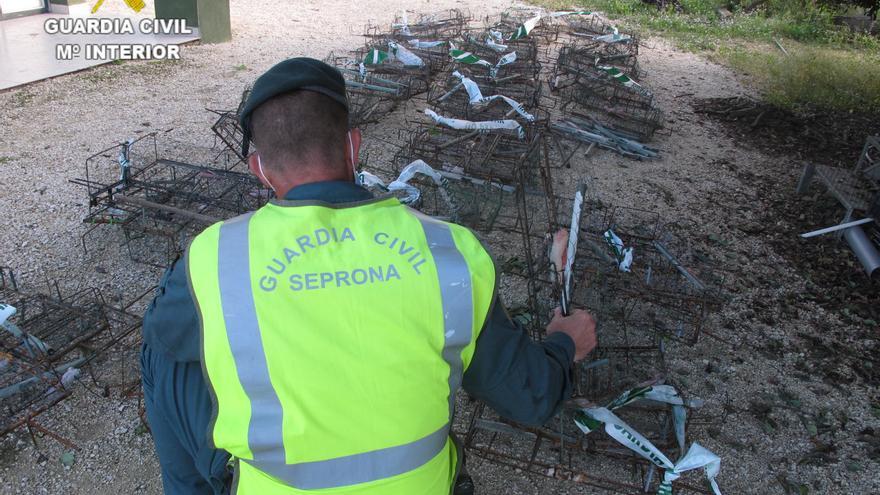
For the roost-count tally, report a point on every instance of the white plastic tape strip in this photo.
(696, 457)
(411, 194)
(498, 47)
(425, 44)
(405, 56)
(485, 126)
(476, 97)
(574, 234)
(614, 37)
(403, 25)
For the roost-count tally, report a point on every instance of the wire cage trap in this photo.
(376, 90)
(159, 203)
(449, 97)
(228, 129)
(44, 340)
(442, 25)
(582, 53)
(500, 157)
(561, 451)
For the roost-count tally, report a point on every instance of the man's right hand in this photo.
(580, 326)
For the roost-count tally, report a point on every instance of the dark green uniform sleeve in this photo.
(171, 322)
(523, 380)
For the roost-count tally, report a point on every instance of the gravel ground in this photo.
(780, 423)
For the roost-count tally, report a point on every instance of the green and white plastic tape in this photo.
(469, 58)
(476, 97)
(483, 126)
(466, 57)
(622, 78)
(623, 254)
(375, 57)
(592, 419)
(395, 52)
(562, 13)
(525, 28)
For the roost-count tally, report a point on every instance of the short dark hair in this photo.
(300, 127)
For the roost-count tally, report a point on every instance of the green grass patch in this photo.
(698, 26)
(828, 67)
(811, 77)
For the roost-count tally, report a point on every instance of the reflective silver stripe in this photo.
(243, 331)
(265, 435)
(359, 468)
(456, 294)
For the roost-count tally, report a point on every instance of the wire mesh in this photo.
(228, 129)
(159, 203)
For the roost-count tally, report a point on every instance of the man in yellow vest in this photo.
(320, 340)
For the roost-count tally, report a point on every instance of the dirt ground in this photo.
(790, 382)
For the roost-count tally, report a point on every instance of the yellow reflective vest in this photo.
(334, 339)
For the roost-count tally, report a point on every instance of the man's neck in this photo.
(286, 185)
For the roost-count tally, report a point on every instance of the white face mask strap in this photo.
(351, 153)
(263, 174)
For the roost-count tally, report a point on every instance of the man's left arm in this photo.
(171, 322)
(523, 380)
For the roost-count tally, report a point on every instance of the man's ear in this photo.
(353, 148)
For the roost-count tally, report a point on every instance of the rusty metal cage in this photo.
(228, 129)
(161, 203)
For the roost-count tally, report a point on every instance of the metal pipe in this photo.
(864, 249)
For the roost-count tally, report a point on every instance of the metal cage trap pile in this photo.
(597, 75)
(464, 165)
(46, 340)
(493, 152)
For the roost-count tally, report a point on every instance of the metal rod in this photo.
(143, 203)
(835, 228)
(692, 279)
(355, 84)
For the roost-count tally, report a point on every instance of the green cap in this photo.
(295, 74)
